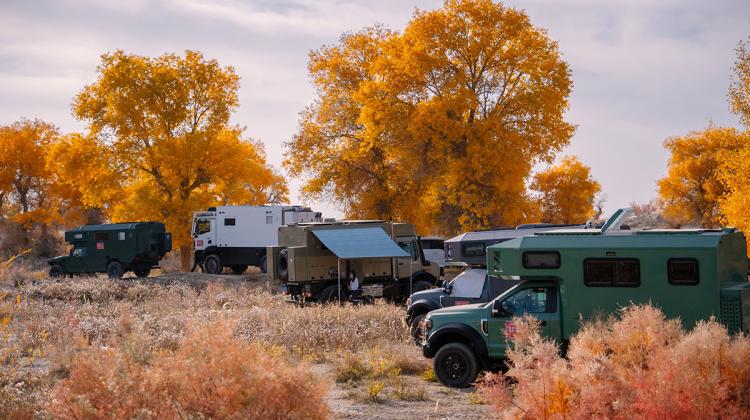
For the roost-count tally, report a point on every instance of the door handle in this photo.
(543, 323)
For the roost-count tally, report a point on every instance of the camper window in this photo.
(230, 221)
(682, 271)
(611, 272)
(473, 250)
(541, 259)
(101, 236)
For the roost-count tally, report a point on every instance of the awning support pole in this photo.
(338, 272)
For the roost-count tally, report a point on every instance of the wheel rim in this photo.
(211, 266)
(455, 366)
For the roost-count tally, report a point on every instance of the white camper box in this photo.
(237, 236)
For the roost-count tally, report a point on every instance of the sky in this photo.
(642, 70)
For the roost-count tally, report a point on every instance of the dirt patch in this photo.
(439, 402)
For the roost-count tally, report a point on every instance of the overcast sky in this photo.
(642, 70)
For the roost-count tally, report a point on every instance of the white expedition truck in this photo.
(237, 236)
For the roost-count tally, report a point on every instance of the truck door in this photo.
(204, 233)
(407, 266)
(75, 264)
(540, 301)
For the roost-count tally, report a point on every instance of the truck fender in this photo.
(421, 306)
(457, 332)
(423, 275)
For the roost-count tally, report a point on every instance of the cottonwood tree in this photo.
(692, 189)
(739, 89)
(566, 192)
(439, 124)
(167, 122)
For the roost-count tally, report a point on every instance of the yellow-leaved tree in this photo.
(734, 173)
(439, 124)
(566, 192)
(166, 121)
(691, 191)
(86, 178)
(24, 178)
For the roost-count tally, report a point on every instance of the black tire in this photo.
(263, 264)
(328, 295)
(212, 264)
(456, 365)
(415, 328)
(420, 285)
(282, 264)
(56, 271)
(114, 270)
(142, 272)
(239, 269)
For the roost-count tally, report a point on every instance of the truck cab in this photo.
(566, 276)
(471, 286)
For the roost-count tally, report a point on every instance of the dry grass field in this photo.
(193, 345)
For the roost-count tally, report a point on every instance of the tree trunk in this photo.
(186, 256)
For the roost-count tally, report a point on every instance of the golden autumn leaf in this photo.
(566, 192)
(166, 122)
(691, 191)
(439, 124)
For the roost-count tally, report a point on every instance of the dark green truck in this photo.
(113, 249)
(565, 276)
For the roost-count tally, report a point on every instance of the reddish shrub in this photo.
(640, 365)
(210, 375)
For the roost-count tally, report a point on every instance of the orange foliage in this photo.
(739, 89)
(212, 375)
(166, 122)
(691, 191)
(24, 178)
(638, 366)
(440, 124)
(566, 192)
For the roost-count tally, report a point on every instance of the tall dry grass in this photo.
(102, 331)
(637, 365)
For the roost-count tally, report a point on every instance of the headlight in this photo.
(427, 325)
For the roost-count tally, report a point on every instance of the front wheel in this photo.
(456, 365)
(142, 272)
(114, 270)
(263, 266)
(329, 295)
(212, 265)
(420, 285)
(56, 271)
(417, 329)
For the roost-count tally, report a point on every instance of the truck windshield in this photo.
(202, 226)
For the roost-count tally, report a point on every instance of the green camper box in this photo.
(114, 249)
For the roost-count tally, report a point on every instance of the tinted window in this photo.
(229, 222)
(474, 250)
(612, 272)
(682, 271)
(531, 301)
(410, 248)
(541, 259)
(100, 236)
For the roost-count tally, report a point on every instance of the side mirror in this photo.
(447, 288)
(498, 310)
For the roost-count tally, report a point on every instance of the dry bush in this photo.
(639, 365)
(211, 375)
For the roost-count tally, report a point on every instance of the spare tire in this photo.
(282, 264)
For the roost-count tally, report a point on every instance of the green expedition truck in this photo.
(113, 249)
(568, 275)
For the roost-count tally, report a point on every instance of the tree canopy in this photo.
(566, 192)
(439, 124)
